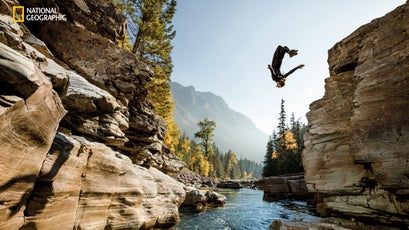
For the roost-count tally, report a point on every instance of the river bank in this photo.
(275, 203)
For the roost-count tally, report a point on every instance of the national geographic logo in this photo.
(18, 13)
(21, 14)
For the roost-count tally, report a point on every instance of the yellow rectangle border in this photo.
(15, 19)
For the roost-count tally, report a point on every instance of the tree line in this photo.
(206, 159)
(283, 155)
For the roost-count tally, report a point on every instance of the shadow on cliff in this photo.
(14, 182)
(35, 197)
(43, 187)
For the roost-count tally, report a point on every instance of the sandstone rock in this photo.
(94, 112)
(103, 189)
(189, 178)
(19, 74)
(6, 7)
(326, 224)
(76, 182)
(38, 45)
(27, 129)
(229, 184)
(58, 75)
(357, 142)
(10, 32)
(34, 49)
(97, 16)
(285, 187)
(146, 129)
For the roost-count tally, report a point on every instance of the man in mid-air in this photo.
(276, 65)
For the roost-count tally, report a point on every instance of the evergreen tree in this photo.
(284, 147)
(231, 163)
(298, 129)
(282, 127)
(269, 162)
(152, 32)
(216, 161)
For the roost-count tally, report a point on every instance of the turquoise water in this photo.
(245, 209)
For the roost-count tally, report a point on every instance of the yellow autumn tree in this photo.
(274, 155)
(198, 162)
(290, 142)
(184, 148)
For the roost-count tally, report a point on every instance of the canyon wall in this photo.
(357, 145)
(80, 144)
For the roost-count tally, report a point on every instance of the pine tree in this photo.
(269, 163)
(282, 127)
(151, 29)
(298, 129)
(216, 160)
(284, 147)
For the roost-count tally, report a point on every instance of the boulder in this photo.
(200, 200)
(229, 184)
(189, 178)
(285, 187)
(357, 142)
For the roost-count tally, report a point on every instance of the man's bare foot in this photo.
(293, 53)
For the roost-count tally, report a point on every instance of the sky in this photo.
(224, 47)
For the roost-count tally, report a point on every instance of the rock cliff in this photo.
(357, 145)
(285, 187)
(80, 144)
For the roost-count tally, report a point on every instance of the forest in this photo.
(206, 159)
(283, 155)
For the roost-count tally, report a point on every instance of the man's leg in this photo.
(292, 71)
(278, 57)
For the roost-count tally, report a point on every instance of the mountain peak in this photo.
(193, 106)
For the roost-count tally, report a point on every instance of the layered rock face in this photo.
(357, 144)
(285, 187)
(80, 144)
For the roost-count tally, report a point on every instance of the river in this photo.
(245, 209)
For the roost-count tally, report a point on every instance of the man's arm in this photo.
(274, 75)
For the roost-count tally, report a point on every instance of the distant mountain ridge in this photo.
(234, 131)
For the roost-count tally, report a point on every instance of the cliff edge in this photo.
(357, 145)
(80, 144)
